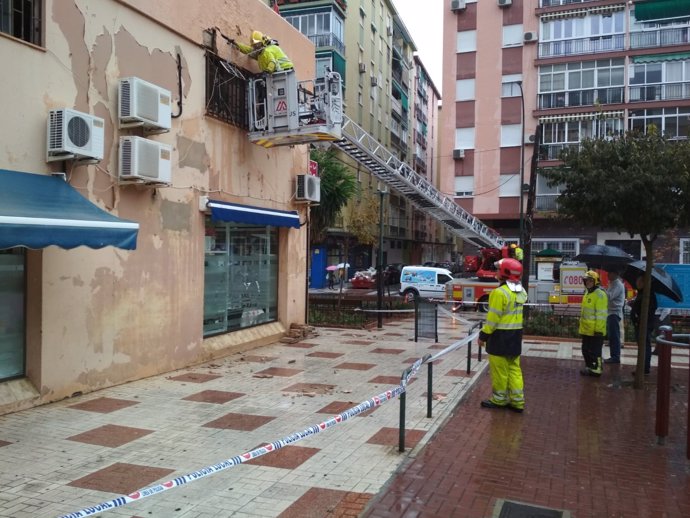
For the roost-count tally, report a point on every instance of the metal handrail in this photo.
(665, 342)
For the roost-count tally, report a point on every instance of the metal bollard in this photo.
(663, 388)
(429, 387)
(401, 428)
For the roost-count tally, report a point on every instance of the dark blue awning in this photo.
(224, 211)
(38, 210)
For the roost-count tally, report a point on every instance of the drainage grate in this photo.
(517, 510)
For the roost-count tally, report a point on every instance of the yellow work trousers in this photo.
(506, 381)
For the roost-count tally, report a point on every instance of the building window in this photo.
(568, 247)
(557, 136)
(464, 186)
(466, 41)
(12, 318)
(512, 35)
(582, 34)
(673, 123)
(509, 186)
(226, 91)
(22, 19)
(464, 138)
(581, 83)
(511, 135)
(240, 276)
(509, 86)
(660, 81)
(464, 90)
(684, 251)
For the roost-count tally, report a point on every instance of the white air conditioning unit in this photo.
(529, 139)
(457, 5)
(308, 188)
(505, 3)
(144, 160)
(530, 37)
(362, 68)
(458, 154)
(143, 104)
(73, 134)
(374, 81)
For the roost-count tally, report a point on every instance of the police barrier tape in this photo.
(263, 450)
(258, 452)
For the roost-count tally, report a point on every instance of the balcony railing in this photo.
(591, 97)
(553, 3)
(665, 92)
(396, 106)
(660, 38)
(553, 151)
(327, 40)
(590, 45)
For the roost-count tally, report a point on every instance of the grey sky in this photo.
(424, 21)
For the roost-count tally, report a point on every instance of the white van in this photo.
(424, 281)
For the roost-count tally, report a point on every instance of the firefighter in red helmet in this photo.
(502, 337)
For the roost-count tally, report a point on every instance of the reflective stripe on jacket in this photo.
(504, 322)
(594, 311)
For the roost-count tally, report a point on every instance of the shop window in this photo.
(12, 316)
(240, 276)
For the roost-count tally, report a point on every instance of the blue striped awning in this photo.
(39, 210)
(234, 212)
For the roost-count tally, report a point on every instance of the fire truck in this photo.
(479, 279)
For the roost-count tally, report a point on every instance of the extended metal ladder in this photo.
(366, 150)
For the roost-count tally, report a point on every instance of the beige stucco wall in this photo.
(103, 317)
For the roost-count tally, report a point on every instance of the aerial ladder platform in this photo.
(286, 112)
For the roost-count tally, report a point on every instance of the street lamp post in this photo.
(522, 163)
(379, 263)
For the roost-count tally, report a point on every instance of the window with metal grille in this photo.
(226, 91)
(22, 19)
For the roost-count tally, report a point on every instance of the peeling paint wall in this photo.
(103, 317)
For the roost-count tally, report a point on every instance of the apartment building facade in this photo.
(390, 96)
(136, 241)
(581, 69)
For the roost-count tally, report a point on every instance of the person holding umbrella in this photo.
(616, 300)
(635, 316)
(593, 313)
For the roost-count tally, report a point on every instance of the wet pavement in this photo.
(583, 445)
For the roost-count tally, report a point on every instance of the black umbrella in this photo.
(662, 282)
(604, 256)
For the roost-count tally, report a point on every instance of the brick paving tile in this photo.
(324, 354)
(583, 444)
(121, 478)
(110, 435)
(280, 371)
(104, 405)
(244, 422)
(383, 350)
(356, 366)
(194, 377)
(214, 396)
(289, 457)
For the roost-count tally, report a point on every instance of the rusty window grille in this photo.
(226, 91)
(22, 19)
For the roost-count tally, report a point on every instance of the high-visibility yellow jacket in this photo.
(593, 314)
(519, 254)
(271, 58)
(502, 331)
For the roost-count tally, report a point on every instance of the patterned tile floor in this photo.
(80, 452)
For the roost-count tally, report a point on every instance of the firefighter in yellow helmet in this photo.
(266, 52)
(516, 252)
(593, 323)
(502, 336)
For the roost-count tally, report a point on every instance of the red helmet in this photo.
(510, 269)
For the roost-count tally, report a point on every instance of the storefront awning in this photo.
(234, 212)
(38, 210)
(656, 58)
(648, 10)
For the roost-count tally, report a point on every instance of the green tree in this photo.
(338, 186)
(635, 184)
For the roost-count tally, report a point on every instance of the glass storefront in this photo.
(240, 276)
(12, 289)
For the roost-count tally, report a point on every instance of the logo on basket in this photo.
(281, 106)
